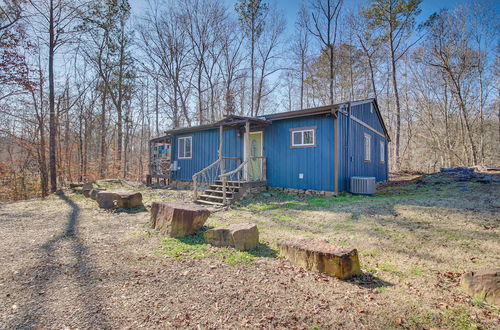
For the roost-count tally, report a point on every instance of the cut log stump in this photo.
(483, 284)
(87, 187)
(178, 219)
(93, 193)
(112, 199)
(320, 256)
(242, 236)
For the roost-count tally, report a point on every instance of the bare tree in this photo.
(57, 18)
(450, 53)
(301, 47)
(252, 15)
(395, 20)
(323, 25)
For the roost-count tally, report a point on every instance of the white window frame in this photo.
(382, 152)
(293, 131)
(367, 148)
(190, 138)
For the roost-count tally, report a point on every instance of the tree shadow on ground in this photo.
(132, 210)
(369, 281)
(49, 269)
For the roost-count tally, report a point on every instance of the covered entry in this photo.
(256, 159)
(220, 185)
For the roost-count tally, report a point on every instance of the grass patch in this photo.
(387, 267)
(372, 253)
(459, 318)
(234, 258)
(416, 271)
(192, 247)
(195, 247)
(132, 210)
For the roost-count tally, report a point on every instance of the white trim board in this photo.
(362, 123)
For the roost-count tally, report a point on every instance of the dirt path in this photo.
(67, 264)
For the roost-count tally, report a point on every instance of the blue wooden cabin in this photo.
(316, 149)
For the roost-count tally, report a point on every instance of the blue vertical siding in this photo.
(285, 163)
(362, 112)
(357, 165)
(205, 145)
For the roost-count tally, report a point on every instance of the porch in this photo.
(230, 178)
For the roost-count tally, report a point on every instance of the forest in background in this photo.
(84, 84)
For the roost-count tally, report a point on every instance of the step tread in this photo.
(201, 201)
(216, 197)
(219, 185)
(219, 191)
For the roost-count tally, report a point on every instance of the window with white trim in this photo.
(303, 137)
(185, 147)
(368, 147)
(382, 151)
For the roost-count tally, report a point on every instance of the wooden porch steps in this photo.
(214, 194)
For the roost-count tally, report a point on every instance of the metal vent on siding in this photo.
(362, 185)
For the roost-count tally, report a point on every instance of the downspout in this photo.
(348, 151)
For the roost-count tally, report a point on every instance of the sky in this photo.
(291, 7)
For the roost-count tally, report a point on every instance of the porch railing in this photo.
(210, 174)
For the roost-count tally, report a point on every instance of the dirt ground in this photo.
(67, 264)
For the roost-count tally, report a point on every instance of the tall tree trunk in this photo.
(80, 144)
(157, 106)
(396, 96)
(42, 163)
(372, 76)
(468, 129)
(302, 69)
(331, 73)
(200, 96)
(252, 65)
(102, 160)
(52, 113)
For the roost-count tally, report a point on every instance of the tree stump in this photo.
(178, 219)
(322, 257)
(483, 284)
(111, 199)
(242, 236)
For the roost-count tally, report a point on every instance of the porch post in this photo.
(221, 162)
(247, 149)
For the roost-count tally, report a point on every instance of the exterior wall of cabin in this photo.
(205, 147)
(284, 164)
(352, 162)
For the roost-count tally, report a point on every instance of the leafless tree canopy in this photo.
(85, 84)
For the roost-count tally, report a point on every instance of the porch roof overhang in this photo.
(160, 139)
(228, 121)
